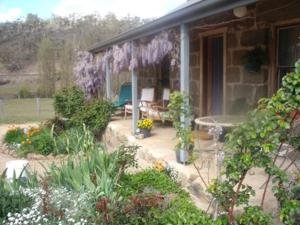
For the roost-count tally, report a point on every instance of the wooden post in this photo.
(184, 64)
(134, 93)
(38, 107)
(1, 107)
(108, 81)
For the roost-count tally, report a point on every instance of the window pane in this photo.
(288, 46)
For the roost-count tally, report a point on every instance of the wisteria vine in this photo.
(90, 73)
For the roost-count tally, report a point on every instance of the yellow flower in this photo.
(23, 142)
(159, 166)
(145, 124)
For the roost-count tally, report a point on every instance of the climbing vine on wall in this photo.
(90, 73)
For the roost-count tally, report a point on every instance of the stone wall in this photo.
(195, 75)
(239, 82)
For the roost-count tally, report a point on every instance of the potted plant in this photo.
(254, 59)
(179, 109)
(145, 127)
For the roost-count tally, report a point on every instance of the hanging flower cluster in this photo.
(90, 75)
(155, 50)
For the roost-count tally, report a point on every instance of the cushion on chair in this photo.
(147, 94)
(128, 107)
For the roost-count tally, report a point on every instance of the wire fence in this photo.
(25, 110)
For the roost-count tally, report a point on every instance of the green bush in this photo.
(180, 210)
(57, 123)
(24, 92)
(95, 115)
(68, 101)
(14, 136)
(40, 143)
(254, 215)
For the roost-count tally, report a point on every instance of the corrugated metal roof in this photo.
(188, 12)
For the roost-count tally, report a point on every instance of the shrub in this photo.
(95, 115)
(57, 123)
(254, 215)
(24, 92)
(179, 210)
(14, 136)
(68, 101)
(40, 143)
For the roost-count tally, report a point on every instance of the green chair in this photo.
(124, 96)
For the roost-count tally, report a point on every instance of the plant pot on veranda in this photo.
(182, 156)
(146, 132)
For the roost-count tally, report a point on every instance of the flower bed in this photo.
(97, 190)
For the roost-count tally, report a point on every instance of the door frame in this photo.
(217, 32)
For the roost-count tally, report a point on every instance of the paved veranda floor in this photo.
(160, 147)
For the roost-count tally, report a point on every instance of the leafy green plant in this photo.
(68, 101)
(14, 135)
(98, 171)
(74, 140)
(254, 144)
(178, 208)
(95, 115)
(12, 199)
(254, 215)
(179, 107)
(59, 125)
(40, 143)
(290, 212)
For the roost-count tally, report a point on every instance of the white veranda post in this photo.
(184, 64)
(134, 93)
(108, 80)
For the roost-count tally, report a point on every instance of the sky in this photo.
(11, 10)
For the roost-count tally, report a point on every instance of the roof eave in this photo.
(189, 14)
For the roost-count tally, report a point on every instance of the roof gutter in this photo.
(188, 14)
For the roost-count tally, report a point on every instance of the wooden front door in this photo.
(213, 62)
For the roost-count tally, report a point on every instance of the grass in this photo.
(24, 110)
(12, 90)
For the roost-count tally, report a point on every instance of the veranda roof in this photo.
(188, 12)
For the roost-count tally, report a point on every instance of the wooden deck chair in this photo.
(147, 98)
(158, 111)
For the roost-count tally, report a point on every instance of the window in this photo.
(288, 50)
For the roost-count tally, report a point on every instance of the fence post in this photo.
(38, 108)
(1, 107)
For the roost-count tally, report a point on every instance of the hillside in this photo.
(20, 41)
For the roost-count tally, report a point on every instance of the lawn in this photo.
(25, 110)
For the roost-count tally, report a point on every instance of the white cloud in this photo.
(10, 14)
(121, 8)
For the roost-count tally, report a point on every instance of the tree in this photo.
(66, 65)
(46, 64)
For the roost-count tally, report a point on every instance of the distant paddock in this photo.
(25, 110)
